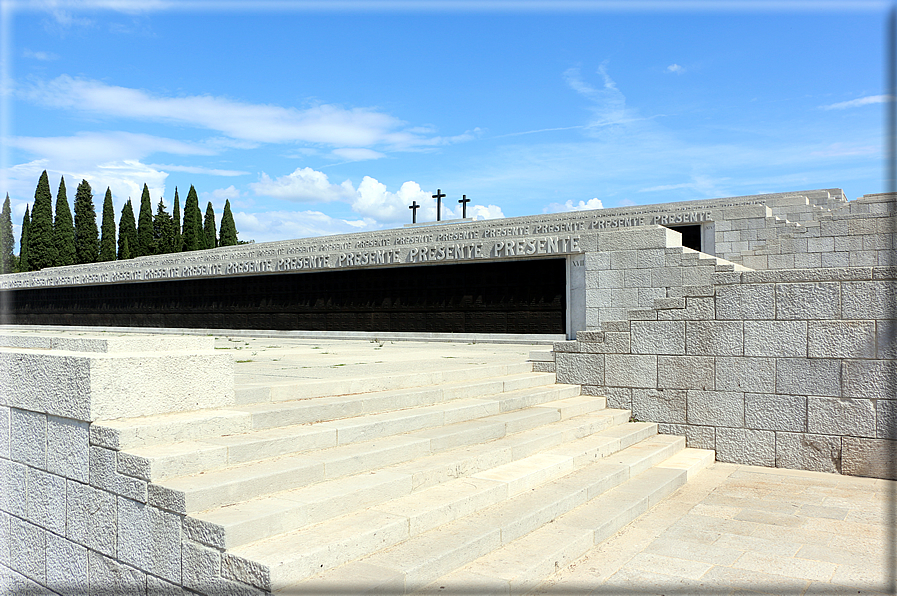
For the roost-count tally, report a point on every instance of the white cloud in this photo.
(855, 103)
(374, 201)
(280, 225)
(675, 68)
(43, 56)
(199, 170)
(357, 154)
(609, 104)
(481, 212)
(571, 206)
(303, 185)
(327, 124)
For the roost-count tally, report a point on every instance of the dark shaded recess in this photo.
(691, 236)
(509, 297)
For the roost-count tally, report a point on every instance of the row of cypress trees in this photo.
(49, 242)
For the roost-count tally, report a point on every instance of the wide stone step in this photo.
(132, 433)
(154, 462)
(268, 515)
(317, 388)
(280, 563)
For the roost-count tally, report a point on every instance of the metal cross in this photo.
(414, 207)
(463, 200)
(438, 196)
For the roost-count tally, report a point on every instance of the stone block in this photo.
(637, 278)
(633, 239)
(202, 572)
(28, 438)
(869, 457)
(618, 397)
(757, 375)
(841, 339)
(741, 302)
(696, 309)
(658, 337)
(68, 448)
(108, 576)
(66, 566)
(870, 379)
(869, 299)
(808, 301)
(715, 408)
(808, 376)
(833, 416)
(614, 343)
(597, 260)
(822, 244)
(835, 259)
(91, 518)
(652, 258)
(886, 419)
(28, 550)
(886, 339)
(149, 539)
(623, 259)
(667, 277)
(13, 490)
(659, 405)
(744, 446)
(714, 338)
(775, 338)
(647, 297)
(768, 411)
(611, 278)
(803, 451)
(104, 475)
(4, 541)
(46, 500)
(580, 369)
(4, 431)
(685, 372)
(630, 370)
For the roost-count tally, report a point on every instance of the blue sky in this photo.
(315, 120)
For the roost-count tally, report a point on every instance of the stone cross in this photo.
(414, 207)
(438, 196)
(463, 200)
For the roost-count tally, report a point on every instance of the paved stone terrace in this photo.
(734, 529)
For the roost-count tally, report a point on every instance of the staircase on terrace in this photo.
(461, 478)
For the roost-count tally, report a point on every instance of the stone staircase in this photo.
(489, 476)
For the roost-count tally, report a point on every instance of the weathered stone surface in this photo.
(658, 337)
(111, 577)
(46, 500)
(4, 431)
(68, 448)
(13, 490)
(886, 419)
(659, 405)
(869, 457)
(743, 446)
(746, 374)
(714, 338)
(104, 475)
(870, 379)
(775, 338)
(28, 550)
(149, 539)
(841, 339)
(202, 572)
(696, 309)
(716, 408)
(768, 411)
(630, 370)
(808, 301)
(618, 397)
(802, 451)
(580, 369)
(28, 438)
(91, 518)
(832, 416)
(66, 566)
(801, 376)
(685, 372)
(886, 338)
(754, 301)
(869, 299)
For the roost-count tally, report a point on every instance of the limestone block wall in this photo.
(70, 522)
(789, 368)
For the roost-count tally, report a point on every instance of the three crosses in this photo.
(438, 196)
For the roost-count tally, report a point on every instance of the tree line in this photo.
(48, 241)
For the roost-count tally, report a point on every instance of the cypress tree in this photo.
(193, 234)
(127, 231)
(144, 244)
(41, 248)
(208, 228)
(23, 263)
(163, 231)
(228, 234)
(63, 228)
(7, 241)
(87, 243)
(107, 240)
(178, 244)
